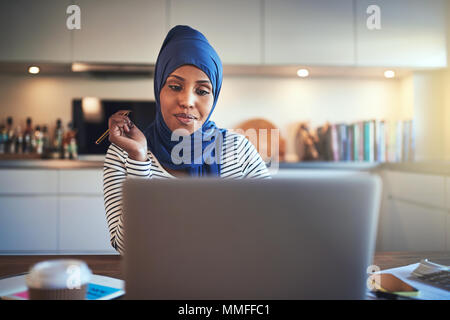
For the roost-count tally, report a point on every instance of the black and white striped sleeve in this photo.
(252, 164)
(118, 167)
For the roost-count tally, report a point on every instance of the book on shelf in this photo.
(380, 141)
(349, 145)
(370, 140)
(334, 142)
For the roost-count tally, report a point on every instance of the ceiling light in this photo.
(33, 70)
(389, 74)
(303, 73)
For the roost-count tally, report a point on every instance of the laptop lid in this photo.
(309, 238)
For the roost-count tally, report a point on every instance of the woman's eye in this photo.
(202, 92)
(175, 88)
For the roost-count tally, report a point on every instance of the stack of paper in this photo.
(410, 274)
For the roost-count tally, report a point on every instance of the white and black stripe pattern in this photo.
(240, 159)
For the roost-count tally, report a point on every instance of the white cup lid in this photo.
(58, 274)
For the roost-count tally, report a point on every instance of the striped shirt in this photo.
(240, 159)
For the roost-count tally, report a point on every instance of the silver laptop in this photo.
(285, 238)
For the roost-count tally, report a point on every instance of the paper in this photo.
(426, 267)
(426, 291)
(99, 288)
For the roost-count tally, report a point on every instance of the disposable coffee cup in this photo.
(63, 279)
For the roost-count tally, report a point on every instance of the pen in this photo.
(392, 296)
(103, 136)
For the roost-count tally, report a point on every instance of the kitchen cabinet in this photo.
(79, 181)
(232, 27)
(34, 31)
(415, 227)
(254, 32)
(414, 215)
(53, 211)
(116, 31)
(412, 34)
(309, 32)
(26, 181)
(28, 224)
(425, 189)
(82, 225)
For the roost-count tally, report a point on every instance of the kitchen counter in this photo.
(429, 167)
(433, 167)
(51, 164)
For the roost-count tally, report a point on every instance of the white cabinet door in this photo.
(418, 188)
(28, 181)
(233, 27)
(316, 32)
(448, 233)
(33, 30)
(81, 181)
(447, 192)
(28, 223)
(412, 34)
(120, 31)
(82, 225)
(416, 228)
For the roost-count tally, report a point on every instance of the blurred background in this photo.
(350, 84)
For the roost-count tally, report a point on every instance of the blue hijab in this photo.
(186, 46)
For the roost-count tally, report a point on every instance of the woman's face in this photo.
(186, 98)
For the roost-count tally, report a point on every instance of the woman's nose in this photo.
(187, 99)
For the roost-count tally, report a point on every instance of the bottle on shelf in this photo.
(70, 144)
(3, 138)
(58, 139)
(28, 137)
(45, 141)
(38, 143)
(10, 146)
(19, 140)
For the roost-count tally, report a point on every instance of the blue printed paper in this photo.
(96, 291)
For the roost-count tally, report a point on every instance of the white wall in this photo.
(428, 112)
(447, 92)
(431, 91)
(284, 101)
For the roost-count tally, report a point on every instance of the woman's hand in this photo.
(123, 133)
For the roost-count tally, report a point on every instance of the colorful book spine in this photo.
(361, 141)
(369, 141)
(342, 134)
(356, 138)
(380, 141)
(334, 142)
(350, 155)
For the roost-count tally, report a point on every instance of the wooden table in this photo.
(110, 265)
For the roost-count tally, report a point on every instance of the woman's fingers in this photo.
(122, 123)
(126, 128)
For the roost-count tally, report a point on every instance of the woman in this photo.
(187, 82)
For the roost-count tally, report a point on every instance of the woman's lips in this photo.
(185, 118)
